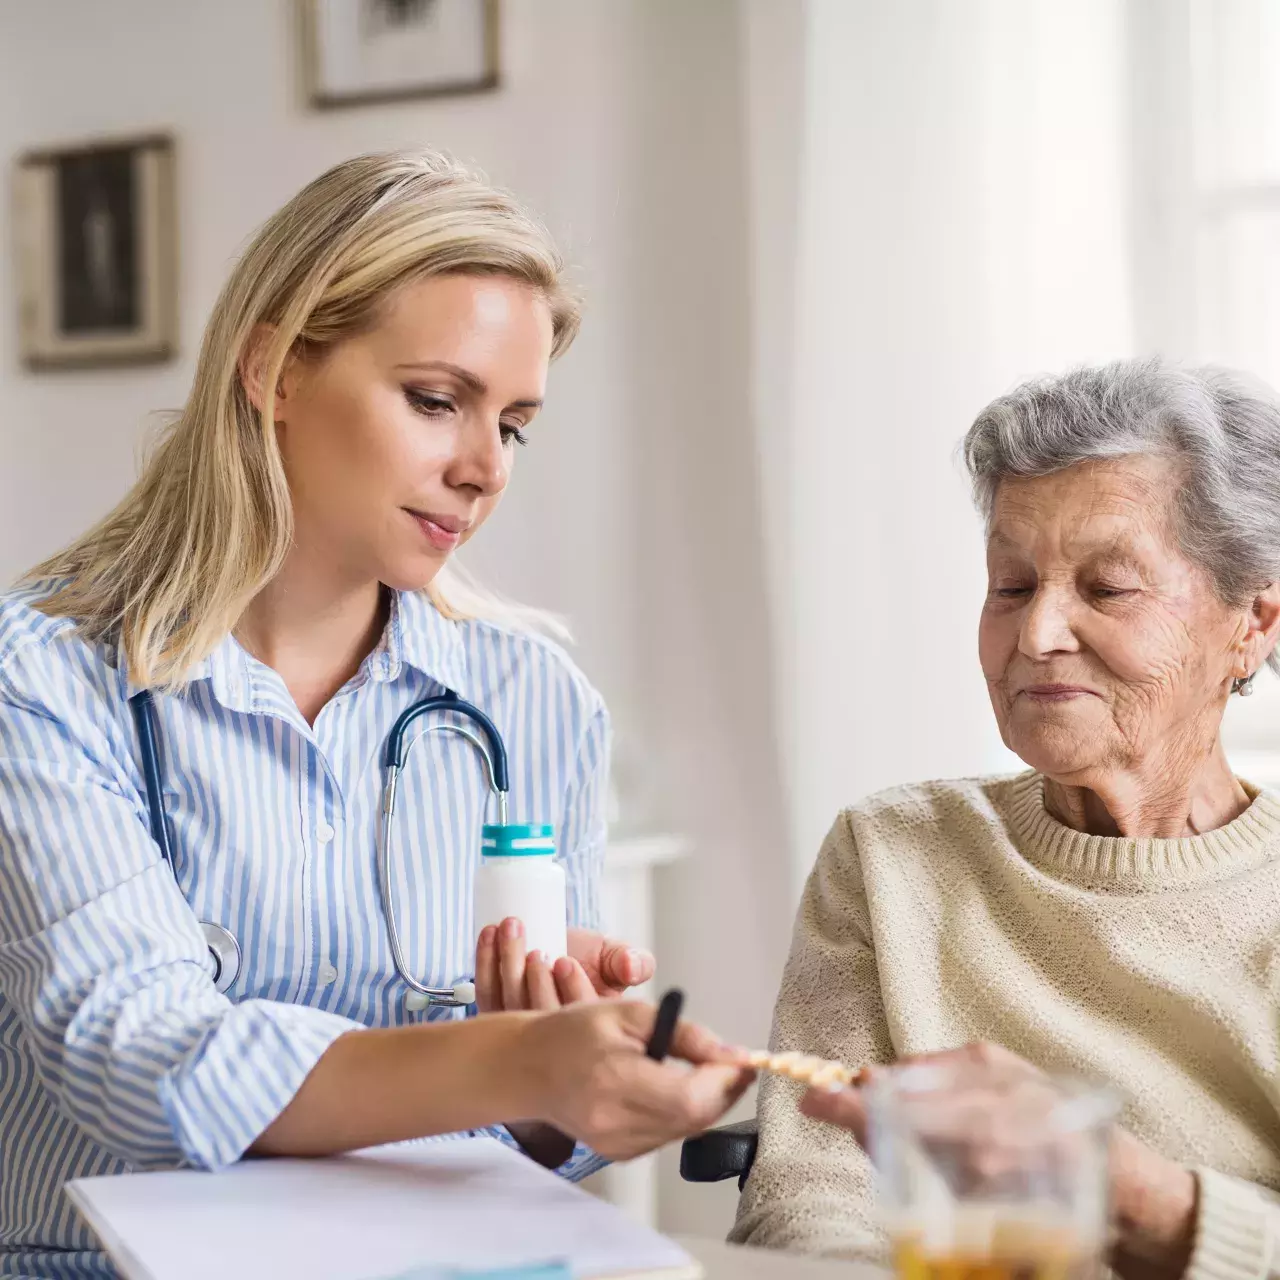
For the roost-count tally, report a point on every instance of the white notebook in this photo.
(373, 1215)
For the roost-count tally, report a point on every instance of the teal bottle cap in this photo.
(517, 840)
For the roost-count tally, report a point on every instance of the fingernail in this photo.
(487, 935)
(539, 956)
(512, 928)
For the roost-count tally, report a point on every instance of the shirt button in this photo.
(324, 832)
(328, 975)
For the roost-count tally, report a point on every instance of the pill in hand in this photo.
(817, 1073)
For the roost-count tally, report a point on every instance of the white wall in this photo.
(706, 657)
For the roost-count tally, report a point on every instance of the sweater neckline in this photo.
(1147, 863)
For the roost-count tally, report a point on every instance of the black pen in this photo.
(664, 1025)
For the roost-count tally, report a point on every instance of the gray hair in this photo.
(1221, 427)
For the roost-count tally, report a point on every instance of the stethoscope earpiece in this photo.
(462, 994)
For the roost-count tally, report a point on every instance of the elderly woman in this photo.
(1113, 912)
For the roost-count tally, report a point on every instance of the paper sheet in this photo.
(466, 1204)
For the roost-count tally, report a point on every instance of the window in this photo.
(1235, 167)
(1207, 227)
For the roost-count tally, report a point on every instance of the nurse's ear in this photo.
(253, 365)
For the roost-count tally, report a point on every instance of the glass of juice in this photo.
(991, 1172)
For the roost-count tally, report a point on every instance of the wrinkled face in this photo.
(1102, 645)
(399, 442)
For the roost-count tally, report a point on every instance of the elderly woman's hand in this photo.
(1153, 1199)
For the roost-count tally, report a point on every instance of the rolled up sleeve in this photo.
(104, 964)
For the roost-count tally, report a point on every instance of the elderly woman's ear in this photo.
(1260, 629)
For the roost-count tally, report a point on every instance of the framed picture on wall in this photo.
(96, 253)
(359, 51)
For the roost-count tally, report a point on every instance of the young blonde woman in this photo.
(278, 579)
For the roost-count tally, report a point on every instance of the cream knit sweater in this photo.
(952, 912)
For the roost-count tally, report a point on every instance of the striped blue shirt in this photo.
(116, 1051)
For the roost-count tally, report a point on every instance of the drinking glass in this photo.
(990, 1172)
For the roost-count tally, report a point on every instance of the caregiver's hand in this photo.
(588, 1067)
(580, 1071)
(508, 979)
(1154, 1200)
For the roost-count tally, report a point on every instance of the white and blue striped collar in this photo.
(416, 635)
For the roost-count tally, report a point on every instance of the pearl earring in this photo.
(1243, 685)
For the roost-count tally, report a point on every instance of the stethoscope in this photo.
(224, 949)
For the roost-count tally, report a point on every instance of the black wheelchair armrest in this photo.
(720, 1153)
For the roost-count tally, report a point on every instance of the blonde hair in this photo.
(168, 573)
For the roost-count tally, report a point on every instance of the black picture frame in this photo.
(97, 253)
(467, 59)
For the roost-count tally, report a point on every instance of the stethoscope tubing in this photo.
(224, 948)
(222, 944)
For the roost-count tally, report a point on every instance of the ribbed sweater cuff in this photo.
(1233, 1232)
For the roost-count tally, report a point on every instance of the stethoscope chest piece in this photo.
(224, 954)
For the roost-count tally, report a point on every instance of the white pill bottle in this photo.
(519, 876)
